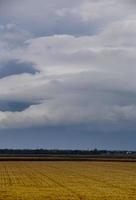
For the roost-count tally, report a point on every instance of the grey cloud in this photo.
(82, 17)
(130, 2)
(13, 35)
(13, 106)
(14, 67)
(32, 15)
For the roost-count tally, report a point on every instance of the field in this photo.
(42, 180)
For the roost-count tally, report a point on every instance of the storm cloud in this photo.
(14, 67)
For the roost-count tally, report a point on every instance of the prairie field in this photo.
(42, 180)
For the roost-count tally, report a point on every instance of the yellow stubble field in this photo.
(42, 180)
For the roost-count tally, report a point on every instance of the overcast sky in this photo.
(68, 74)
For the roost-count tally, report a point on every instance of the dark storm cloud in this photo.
(14, 67)
(71, 137)
(13, 106)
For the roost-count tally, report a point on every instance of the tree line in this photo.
(63, 152)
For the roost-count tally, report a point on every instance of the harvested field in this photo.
(41, 180)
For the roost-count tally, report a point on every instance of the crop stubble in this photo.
(33, 180)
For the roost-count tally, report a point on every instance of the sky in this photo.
(68, 74)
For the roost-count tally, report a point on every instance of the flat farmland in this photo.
(43, 180)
